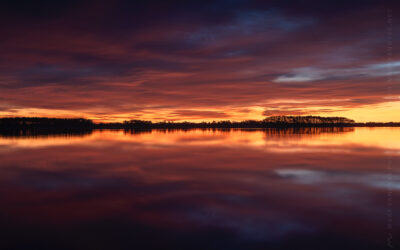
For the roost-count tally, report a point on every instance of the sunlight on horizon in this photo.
(269, 139)
(382, 112)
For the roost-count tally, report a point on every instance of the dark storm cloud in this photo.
(209, 54)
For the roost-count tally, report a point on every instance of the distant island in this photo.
(80, 124)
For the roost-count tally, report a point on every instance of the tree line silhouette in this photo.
(37, 127)
(79, 124)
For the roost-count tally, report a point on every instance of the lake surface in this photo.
(314, 188)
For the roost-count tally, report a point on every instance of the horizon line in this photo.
(188, 121)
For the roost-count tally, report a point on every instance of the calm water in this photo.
(202, 189)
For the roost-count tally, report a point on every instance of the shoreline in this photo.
(278, 122)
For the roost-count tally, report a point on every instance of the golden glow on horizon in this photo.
(385, 138)
(382, 112)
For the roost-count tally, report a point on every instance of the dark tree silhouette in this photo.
(35, 125)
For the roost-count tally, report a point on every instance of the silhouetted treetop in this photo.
(36, 123)
(308, 120)
(43, 121)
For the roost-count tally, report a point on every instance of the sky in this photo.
(200, 60)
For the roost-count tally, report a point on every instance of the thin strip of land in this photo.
(56, 124)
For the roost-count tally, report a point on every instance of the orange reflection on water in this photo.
(243, 186)
(386, 138)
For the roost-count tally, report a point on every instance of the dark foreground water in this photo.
(202, 189)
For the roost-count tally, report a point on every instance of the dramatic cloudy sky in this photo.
(200, 60)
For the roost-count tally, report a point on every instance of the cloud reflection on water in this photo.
(235, 189)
